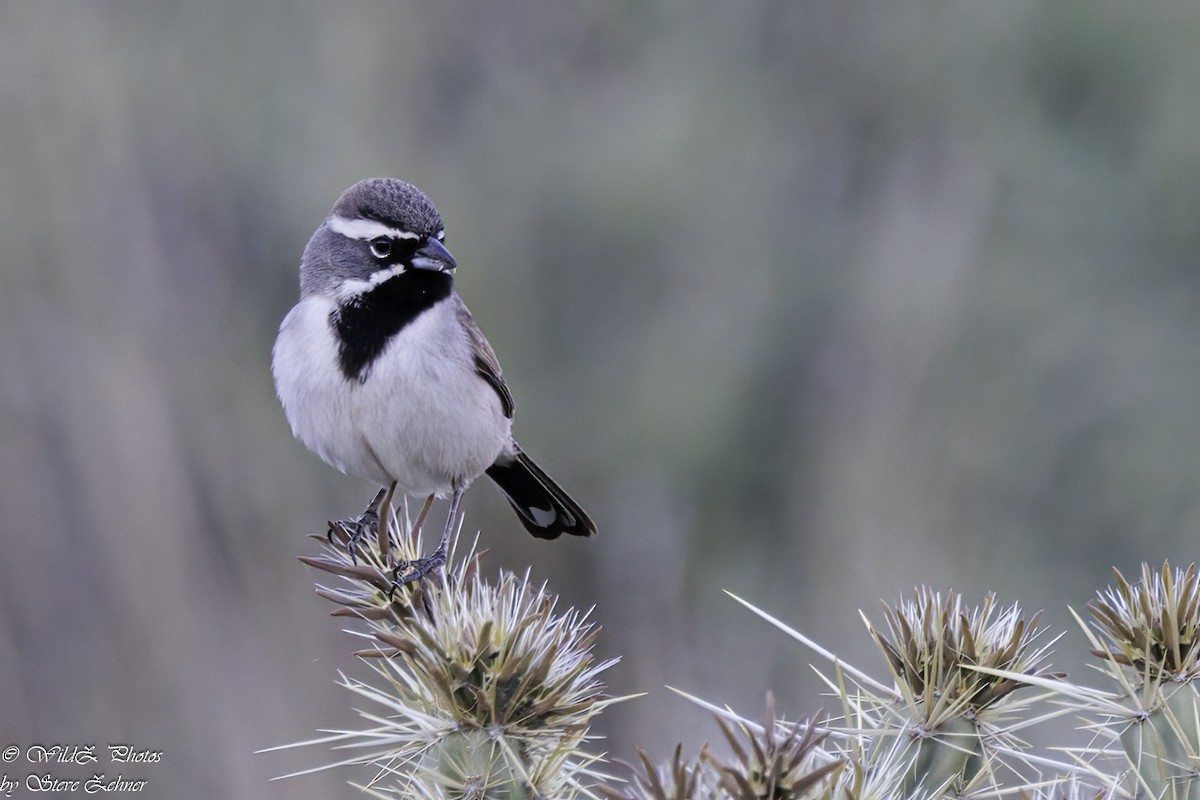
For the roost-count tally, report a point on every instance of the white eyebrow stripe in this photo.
(367, 229)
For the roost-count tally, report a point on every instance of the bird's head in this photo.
(379, 228)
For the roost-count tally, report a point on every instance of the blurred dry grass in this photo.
(812, 301)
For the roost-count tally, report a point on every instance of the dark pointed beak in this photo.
(433, 255)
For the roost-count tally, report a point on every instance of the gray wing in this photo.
(487, 366)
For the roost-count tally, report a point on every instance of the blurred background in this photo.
(809, 301)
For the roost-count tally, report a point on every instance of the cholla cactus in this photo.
(678, 780)
(777, 761)
(1069, 788)
(1149, 640)
(958, 718)
(481, 689)
(933, 641)
(944, 726)
(1153, 626)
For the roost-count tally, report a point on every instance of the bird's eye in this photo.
(381, 247)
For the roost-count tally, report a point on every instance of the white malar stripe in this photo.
(350, 288)
(367, 229)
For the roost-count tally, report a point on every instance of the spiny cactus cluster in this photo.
(484, 689)
(480, 688)
(775, 760)
(1149, 643)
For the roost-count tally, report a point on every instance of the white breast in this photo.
(422, 417)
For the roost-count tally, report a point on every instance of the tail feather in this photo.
(544, 508)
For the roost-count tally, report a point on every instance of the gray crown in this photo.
(391, 201)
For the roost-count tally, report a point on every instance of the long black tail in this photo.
(545, 509)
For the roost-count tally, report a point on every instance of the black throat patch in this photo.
(366, 323)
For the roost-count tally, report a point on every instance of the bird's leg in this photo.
(423, 566)
(364, 524)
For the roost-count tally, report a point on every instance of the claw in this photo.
(348, 532)
(416, 570)
(352, 530)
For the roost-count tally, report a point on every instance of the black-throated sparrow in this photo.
(384, 374)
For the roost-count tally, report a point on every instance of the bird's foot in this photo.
(351, 531)
(410, 571)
